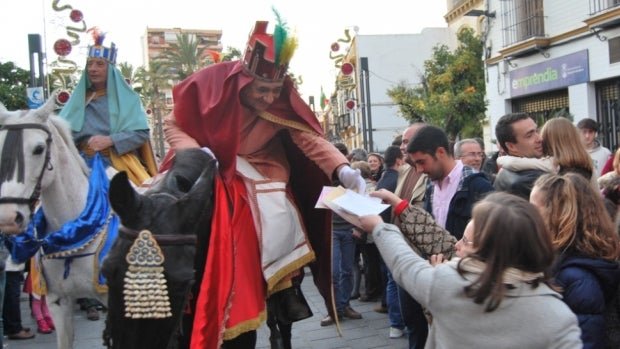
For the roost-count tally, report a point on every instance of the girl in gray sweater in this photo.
(498, 296)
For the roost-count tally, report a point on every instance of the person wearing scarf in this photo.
(499, 294)
(106, 115)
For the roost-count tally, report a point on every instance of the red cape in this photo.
(207, 107)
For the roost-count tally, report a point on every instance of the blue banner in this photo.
(550, 75)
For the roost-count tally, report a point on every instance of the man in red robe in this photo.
(273, 163)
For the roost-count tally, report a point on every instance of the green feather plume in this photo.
(285, 45)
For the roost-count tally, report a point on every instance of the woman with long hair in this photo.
(502, 284)
(586, 245)
(562, 142)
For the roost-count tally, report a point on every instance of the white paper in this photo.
(360, 205)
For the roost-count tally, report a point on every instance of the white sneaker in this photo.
(395, 332)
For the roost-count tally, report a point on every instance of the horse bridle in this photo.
(36, 193)
(162, 240)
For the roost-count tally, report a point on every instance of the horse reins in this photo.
(36, 193)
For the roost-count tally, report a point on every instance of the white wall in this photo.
(393, 59)
(561, 16)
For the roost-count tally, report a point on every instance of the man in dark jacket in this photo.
(517, 134)
(453, 187)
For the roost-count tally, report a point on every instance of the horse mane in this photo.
(63, 130)
(12, 156)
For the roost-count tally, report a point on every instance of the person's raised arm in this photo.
(176, 137)
(419, 227)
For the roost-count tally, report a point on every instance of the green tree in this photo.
(149, 84)
(452, 92)
(13, 84)
(127, 71)
(231, 54)
(184, 57)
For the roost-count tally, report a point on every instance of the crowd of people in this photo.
(532, 229)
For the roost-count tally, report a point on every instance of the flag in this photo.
(324, 100)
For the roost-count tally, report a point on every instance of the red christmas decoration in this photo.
(128, 81)
(62, 47)
(335, 47)
(347, 69)
(350, 104)
(62, 97)
(76, 16)
(149, 112)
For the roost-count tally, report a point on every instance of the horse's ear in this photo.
(125, 201)
(203, 187)
(204, 184)
(46, 109)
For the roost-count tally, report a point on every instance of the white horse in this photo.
(39, 163)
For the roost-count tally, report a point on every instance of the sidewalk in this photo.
(369, 332)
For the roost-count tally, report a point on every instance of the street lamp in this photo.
(478, 13)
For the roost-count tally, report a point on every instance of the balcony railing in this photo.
(522, 20)
(597, 6)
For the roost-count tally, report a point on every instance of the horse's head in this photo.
(25, 139)
(175, 204)
(179, 203)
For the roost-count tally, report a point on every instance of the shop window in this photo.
(614, 50)
(607, 98)
(544, 106)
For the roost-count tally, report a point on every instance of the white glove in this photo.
(352, 179)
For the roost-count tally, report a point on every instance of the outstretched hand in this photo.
(369, 222)
(437, 259)
(387, 196)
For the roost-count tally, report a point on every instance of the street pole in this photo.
(366, 104)
(34, 48)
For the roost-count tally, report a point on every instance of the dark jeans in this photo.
(413, 316)
(342, 269)
(358, 271)
(392, 301)
(375, 280)
(11, 313)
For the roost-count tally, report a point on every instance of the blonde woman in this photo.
(587, 249)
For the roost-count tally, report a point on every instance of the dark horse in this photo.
(177, 211)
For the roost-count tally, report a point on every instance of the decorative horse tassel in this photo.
(145, 292)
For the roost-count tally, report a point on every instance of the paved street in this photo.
(369, 332)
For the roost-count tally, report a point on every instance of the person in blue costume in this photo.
(106, 115)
